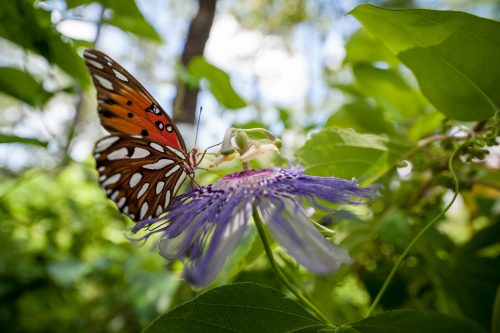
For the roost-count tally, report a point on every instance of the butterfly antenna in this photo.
(197, 127)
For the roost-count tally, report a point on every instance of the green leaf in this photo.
(411, 322)
(392, 93)
(240, 307)
(218, 83)
(345, 153)
(453, 55)
(425, 125)
(127, 16)
(31, 28)
(23, 86)
(7, 138)
(363, 46)
(361, 117)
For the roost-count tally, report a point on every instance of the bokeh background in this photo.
(294, 67)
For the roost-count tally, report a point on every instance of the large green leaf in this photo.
(32, 29)
(240, 307)
(411, 322)
(345, 153)
(361, 117)
(392, 93)
(218, 83)
(23, 86)
(363, 46)
(453, 55)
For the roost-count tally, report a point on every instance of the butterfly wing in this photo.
(125, 106)
(140, 175)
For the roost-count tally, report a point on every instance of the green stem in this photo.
(260, 228)
(417, 237)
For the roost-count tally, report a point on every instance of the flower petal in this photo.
(206, 261)
(290, 227)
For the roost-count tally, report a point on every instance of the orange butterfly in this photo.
(144, 161)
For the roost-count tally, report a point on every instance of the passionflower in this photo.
(204, 225)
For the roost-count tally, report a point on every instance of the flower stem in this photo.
(260, 228)
(419, 235)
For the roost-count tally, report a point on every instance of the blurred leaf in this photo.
(454, 56)
(128, 17)
(23, 86)
(425, 125)
(285, 117)
(363, 46)
(241, 307)
(31, 28)
(345, 153)
(389, 89)
(218, 83)
(395, 229)
(68, 273)
(7, 138)
(361, 117)
(125, 16)
(411, 322)
(495, 322)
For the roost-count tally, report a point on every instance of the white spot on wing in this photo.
(178, 153)
(160, 164)
(144, 210)
(140, 153)
(114, 196)
(101, 168)
(156, 146)
(118, 154)
(111, 180)
(95, 64)
(89, 54)
(135, 179)
(179, 182)
(159, 186)
(171, 171)
(121, 202)
(120, 75)
(125, 210)
(143, 190)
(105, 143)
(104, 82)
(167, 198)
(159, 210)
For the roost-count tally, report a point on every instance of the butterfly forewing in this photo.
(125, 106)
(140, 175)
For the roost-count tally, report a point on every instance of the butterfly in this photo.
(144, 161)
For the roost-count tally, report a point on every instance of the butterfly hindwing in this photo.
(125, 106)
(140, 175)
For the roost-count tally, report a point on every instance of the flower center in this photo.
(251, 178)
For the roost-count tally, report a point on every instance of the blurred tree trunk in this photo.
(199, 30)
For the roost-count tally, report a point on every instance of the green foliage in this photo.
(23, 86)
(218, 83)
(411, 322)
(242, 307)
(6, 138)
(450, 54)
(346, 154)
(31, 28)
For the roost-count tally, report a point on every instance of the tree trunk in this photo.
(186, 99)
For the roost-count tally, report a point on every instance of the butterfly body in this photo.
(144, 161)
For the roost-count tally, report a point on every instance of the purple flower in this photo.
(203, 226)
